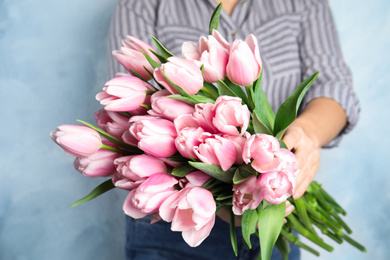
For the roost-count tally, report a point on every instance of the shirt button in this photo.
(244, 3)
(233, 32)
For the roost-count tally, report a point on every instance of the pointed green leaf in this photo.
(192, 100)
(159, 56)
(99, 190)
(241, 175)
(164, 52)
(214, 21)
(248, 225)
(283, 246)
(287, 112)
(258, 125)
(233, 236)
(262, 108)
(237, 90)
(270, 224)
(223, 89)
(182, 170)
(215, 171)
(153, 63)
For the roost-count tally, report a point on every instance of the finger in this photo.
(304, 181)
(290, 140)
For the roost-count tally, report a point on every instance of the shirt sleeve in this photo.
(320, 51)
(131, 17)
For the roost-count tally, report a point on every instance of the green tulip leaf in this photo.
(152, 63)
(237, 90)
(241, 175)
(287, 112)
(248, 225)
(263, 109)
(164, 52)
(182, 170)
(215, 171)
(224, 90)
(270, 224)
(99, 190)
(283, 247)
(214, 21)
(258, 126)
(233, 236)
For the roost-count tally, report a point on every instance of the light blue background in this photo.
(53, 58)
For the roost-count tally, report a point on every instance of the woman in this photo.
(296, 39)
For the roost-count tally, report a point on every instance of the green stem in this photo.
(291, 238)
(352, 242)
(249, 93)
(303, 216)
(294, 224)
(114, 149)
(326, 232)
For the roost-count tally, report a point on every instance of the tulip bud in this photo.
(147, 198)
(124, 94)
(77, 140)
(99, 164)
(216, 150)
(132, 170)
(184, 73)
(168, 108)
(245, 64)
(230, 114)
(155, 136)
(211, 53)
(192, 211)
(111, 122)
(131, 57)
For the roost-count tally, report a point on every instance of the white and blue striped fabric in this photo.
(296, 39)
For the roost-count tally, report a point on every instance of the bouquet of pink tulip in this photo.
(199, 142)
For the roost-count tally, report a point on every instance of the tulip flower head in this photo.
(77, 140)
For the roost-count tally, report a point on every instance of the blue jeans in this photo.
(157, 242)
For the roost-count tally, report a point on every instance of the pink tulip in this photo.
(99, 164)
(148, 197)
(124, 94)
(276, 187)
(131, 57)
(186, 140)
(184, 121)
(155, 136)
(239, 143)
(168, 108)
(132, 170)
(194, 179)
(204, 115)
(245, 64)
(231, 114)
(246, 195)
(184, 73)
(261, 148)
(111, 122)
(216, 150)
(77, 140)
(211, 53)
(191, 211)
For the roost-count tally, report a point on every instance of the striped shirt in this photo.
(296, 39)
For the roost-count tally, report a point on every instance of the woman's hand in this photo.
(305, 146)
(320, 122)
